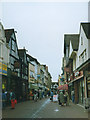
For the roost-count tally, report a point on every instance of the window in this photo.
(13, 45)
(82, 57)
(85, 54)
(81, 41)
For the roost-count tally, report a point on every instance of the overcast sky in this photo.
(41, 27)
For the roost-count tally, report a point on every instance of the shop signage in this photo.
(55, 97)
(3, 69)
(77, 74)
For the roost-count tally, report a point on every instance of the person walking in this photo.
(12, 98)
(51, 95)
(35, 96)
(73, 94)
(40, 94)
(61, 98)
(4, 98)
(67, 98)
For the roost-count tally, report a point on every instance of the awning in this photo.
(63, 87)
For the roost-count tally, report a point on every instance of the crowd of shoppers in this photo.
(63, 97)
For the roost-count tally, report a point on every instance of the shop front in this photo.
(70, 88)
(79, 87)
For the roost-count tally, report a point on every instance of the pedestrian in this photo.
(35, 96)
(12, 98)
(4, 98)
(65, 98)
(67, 102)
(51, 95)
(40, 94)
(8, 98)
(73, 95)
(45, 93)
(61, 97)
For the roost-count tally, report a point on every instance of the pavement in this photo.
(44, 109)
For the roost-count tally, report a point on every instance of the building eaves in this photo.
(86, 28)
(74, 38)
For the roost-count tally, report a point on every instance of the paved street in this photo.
(44, 109)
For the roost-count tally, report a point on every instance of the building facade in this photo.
(4, 58)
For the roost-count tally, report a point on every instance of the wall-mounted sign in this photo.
(3, 68)
(77, 74)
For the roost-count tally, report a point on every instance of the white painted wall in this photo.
(82, 48)
(4, 46)
(88, 48)
(71, 50)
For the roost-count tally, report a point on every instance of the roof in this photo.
(21, 51)
(86, 28)
(8, 33)
(74, 38)
(32, 58)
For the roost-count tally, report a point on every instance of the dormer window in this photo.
(81, 41)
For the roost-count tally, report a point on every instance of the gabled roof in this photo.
(74, 38)
(86, 28)
(8, 33)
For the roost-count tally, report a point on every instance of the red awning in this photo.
(63, 87)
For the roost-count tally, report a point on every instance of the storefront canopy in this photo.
(63, 87)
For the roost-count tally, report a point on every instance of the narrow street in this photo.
(44, 109)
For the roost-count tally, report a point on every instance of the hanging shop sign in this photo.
(78, 74)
